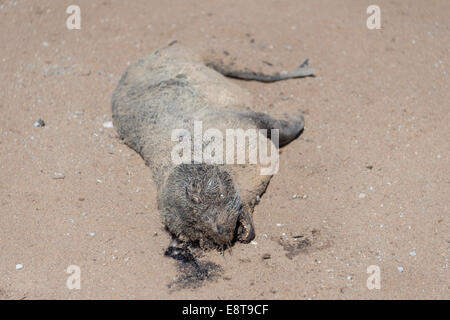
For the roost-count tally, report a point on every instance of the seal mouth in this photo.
(244, 232)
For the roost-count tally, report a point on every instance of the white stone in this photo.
(108, 124)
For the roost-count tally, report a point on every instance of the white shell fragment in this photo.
(108, 124)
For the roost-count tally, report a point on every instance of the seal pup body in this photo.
(169, 90)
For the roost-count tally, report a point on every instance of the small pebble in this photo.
(39, 123)
(58, 175)
(362, 195)
(92, 234)
(400, 269)
(19, 266)
(266, 256)
(108, 124)
(412, 253)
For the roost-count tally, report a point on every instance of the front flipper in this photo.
(288, 129)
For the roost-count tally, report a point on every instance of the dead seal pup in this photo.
(171, 89)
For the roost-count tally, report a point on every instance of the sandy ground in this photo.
(366, 184)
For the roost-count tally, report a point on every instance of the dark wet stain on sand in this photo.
(304, 242)
(192, 273)
(295, 246)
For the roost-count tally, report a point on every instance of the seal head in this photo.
(199, 203)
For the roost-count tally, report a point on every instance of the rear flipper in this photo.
(288, 129)
(304, 70)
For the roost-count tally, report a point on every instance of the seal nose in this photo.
(220, 229)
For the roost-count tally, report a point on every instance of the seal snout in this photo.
(220, 229)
